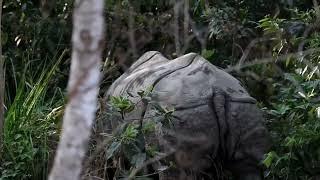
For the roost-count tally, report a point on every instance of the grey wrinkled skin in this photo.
(215, 119)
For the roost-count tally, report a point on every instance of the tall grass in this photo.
(31, 127)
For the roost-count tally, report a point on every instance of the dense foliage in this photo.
(275, 42)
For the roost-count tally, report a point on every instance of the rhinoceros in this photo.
(215, 119)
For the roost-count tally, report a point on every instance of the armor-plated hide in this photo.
(214, 118)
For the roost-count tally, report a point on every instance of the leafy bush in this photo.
(129, 151)
(295, 126)
(293, 109)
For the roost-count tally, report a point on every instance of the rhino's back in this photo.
(195, 85)
(187, 80)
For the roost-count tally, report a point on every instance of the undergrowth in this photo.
(31, 127)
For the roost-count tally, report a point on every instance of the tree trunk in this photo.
(2, 84)
(83, 86)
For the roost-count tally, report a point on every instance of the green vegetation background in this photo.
(282, 34)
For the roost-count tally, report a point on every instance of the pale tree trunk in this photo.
(83, 85)
(2, 84)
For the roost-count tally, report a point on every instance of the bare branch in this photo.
(274, 59)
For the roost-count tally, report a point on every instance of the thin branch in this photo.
(249, 48)
(2, 85)
(274, 59)
(176, 9)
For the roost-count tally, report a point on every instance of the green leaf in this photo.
(151, 150)
(148, 127)
(207, 54)
(290, 142)
(122, 104)
(270, 157)
(4, 38)
(113, 148)
(18, 136)
(130, 133)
